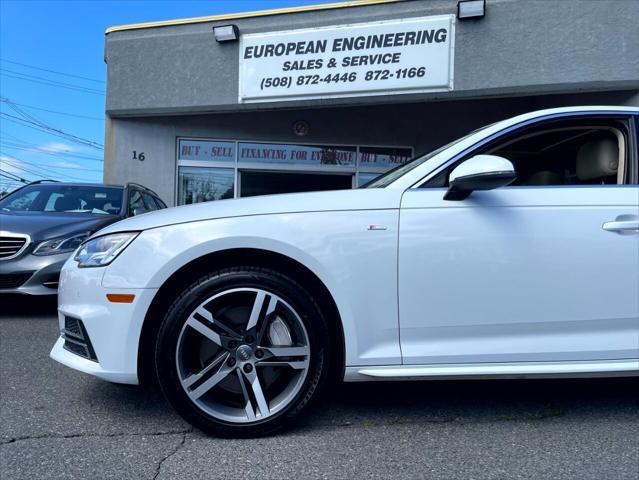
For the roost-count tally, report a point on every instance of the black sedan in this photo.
(42, 223)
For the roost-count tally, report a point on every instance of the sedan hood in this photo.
(40, 226)
(359, 199)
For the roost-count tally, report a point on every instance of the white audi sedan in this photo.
(511, 252)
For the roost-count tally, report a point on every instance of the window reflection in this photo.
(203, 184)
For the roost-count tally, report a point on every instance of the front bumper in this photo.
(31, 274)
(113, 328)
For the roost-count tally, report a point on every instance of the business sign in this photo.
(297, 154)
(377, 58)
(206, 150)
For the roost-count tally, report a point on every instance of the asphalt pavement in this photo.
(57, 423)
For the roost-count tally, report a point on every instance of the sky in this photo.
(52, 79)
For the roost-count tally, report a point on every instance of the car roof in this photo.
(74, 184)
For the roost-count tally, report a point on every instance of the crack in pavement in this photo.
(551, 411)
(175, 450)
(98, 435)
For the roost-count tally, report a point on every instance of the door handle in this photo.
(622, 226)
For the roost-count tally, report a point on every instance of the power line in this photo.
(40, 173)
(53, 131)
(4, 173)
(8, 186)
(46, 79)
(9, 157)
(32, 146)
(40, 123)
(27, 124)
(36, 149)
(56, 112)
(51, 83)
(52, 71)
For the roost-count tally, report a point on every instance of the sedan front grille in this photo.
(14, 280)
(11, 245)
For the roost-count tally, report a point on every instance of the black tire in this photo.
(243, 277)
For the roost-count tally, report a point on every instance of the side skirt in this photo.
(600, 368)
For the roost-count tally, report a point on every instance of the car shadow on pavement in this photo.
(415, 403)
(386, 403)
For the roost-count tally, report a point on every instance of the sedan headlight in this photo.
(60, 245)
(101, 251)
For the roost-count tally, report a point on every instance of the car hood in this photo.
(40, 226)
(335, 200)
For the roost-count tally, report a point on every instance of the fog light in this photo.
(471, 9)
(226, 33)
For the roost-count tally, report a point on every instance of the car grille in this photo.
(76, 339)
(11, 246)
(13, 280)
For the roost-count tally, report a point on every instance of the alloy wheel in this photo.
(243, 355)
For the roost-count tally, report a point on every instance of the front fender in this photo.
(357, 266)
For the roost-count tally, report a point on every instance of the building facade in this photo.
(330, 96)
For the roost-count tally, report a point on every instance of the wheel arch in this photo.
(200, 266)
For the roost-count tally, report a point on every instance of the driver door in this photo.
(529, 273)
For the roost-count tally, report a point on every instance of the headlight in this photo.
(101, 251)
(60, 245)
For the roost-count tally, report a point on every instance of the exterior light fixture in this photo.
(226, 33)
(471, 9)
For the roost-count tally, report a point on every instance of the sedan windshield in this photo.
(54, 198)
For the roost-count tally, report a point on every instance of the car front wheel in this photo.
(242, 352)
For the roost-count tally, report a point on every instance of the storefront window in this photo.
(203, 184)
(297, 154)
(218, 169)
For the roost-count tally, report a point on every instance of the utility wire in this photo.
(8, 174)
(16, 165)
(36, 149)
(32, 146)
(53, 131)
(2, 99)
(52, 71)
(39, 122)
(9, 186)
(4, 173)
(51, 83)
(48, 166)
(40, 172)
(46, 79)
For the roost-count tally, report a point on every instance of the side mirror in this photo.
(481, 172)
(138, 211)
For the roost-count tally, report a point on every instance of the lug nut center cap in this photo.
(244, 353)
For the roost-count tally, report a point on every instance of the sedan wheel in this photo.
(243, 362)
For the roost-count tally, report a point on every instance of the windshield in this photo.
(400, 170)
(54, 198)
